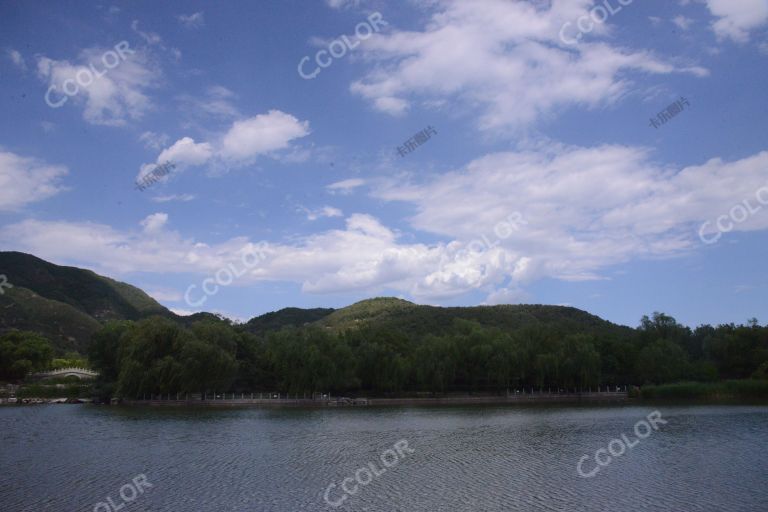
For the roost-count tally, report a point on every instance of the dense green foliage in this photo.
(157, 355)
(287, 317)
(489, 349)
(380, 346)
(66, 304)
(21, 353)
(731, 389)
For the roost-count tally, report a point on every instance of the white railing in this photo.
(64, 371)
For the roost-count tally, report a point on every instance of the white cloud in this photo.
(183, 312)
(110, 96)
(505, 61)
(241, 144)
(342, 4)
(155, 222)
(261, 134)
(325, 211)
(173, 197)
(345, 186)
(195, 20)
(17, 59)
(580, 211)
(216, 102)
(151, 38)
(152, 140)
(585, 208)
(165, 295)
(506, 296)
(736, 18)
(186, 151)
(682, 22)
(26, 180)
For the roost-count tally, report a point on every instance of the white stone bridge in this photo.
(80, 373)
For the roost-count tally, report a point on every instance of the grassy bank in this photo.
(715, 391)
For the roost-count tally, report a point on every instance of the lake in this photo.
(91, 458)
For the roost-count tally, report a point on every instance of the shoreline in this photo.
(536, 398)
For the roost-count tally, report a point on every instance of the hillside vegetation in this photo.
(66, 304)
(378, 347)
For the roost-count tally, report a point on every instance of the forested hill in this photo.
(66, 304)
(378, 346)
(413, 319)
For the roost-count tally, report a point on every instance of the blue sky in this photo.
(543, 180)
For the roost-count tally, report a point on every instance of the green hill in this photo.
(400, 315)
(287, 317)
(66, 304)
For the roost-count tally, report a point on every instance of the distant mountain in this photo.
(400, 315)
(369, 312)
(66, 304)
(287, 317)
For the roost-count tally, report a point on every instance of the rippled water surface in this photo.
(71, 458)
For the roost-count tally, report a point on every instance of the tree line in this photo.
(159, 356)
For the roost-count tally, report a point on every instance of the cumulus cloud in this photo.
(736, 18)
(505, 220)
(261, 134)
(244, 141)
(25, 180)
(584, 208)
(186, 151)
(109, 96)
(155, 222)
(506, 60)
